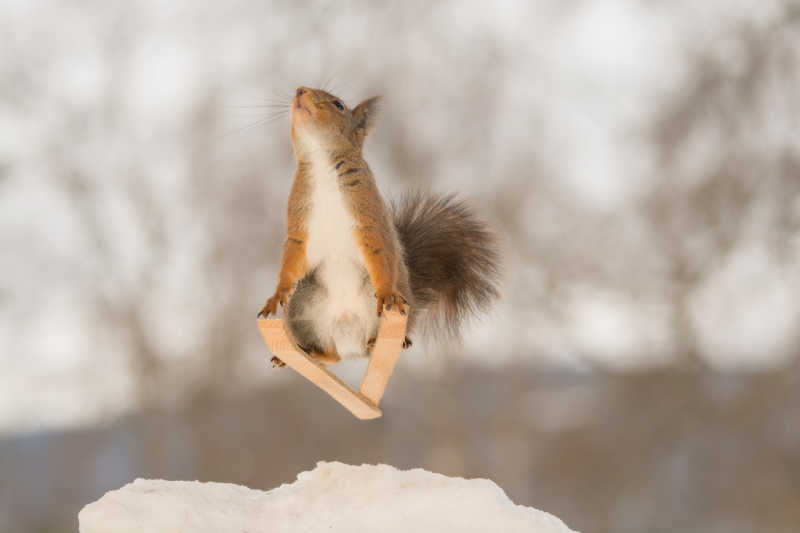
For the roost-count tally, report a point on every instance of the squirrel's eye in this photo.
(338, 105)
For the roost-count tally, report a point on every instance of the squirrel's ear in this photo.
(364, 115)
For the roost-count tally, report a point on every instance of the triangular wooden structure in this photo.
(364, 402)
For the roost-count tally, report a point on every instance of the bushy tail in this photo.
(452, 258)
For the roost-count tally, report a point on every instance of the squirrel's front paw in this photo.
(271, 307)
(389, 299)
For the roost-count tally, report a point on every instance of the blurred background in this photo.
(640, 159)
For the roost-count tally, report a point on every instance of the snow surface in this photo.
(332, 497)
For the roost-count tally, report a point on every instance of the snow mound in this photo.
(332, 497)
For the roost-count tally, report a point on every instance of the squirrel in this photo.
(348, 256)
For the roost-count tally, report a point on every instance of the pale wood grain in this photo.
(363, 404)
(384, 356)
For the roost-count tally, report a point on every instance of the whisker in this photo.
(330, 83)
(260, 106)
(260, 122)
(324, 84)
(282, 96)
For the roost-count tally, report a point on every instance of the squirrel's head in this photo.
(321, 119)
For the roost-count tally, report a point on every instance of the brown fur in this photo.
(344, 132)
(450, 265)
(452, 256)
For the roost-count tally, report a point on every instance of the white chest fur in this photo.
(330, 227)
(344, 314)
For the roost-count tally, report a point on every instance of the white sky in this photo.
(586, 76)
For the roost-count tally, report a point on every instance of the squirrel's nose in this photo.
(301, 91)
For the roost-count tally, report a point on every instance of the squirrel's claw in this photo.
(386, 301)
(271, 307)
(268, 309)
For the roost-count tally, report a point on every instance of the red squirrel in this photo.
(348, 256)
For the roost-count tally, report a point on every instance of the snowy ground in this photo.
(332, 497)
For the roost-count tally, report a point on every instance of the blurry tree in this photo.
(164, 219)
(726, 177)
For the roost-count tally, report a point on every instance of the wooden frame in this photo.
(364, 402)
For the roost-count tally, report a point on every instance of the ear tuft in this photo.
(364, 114)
